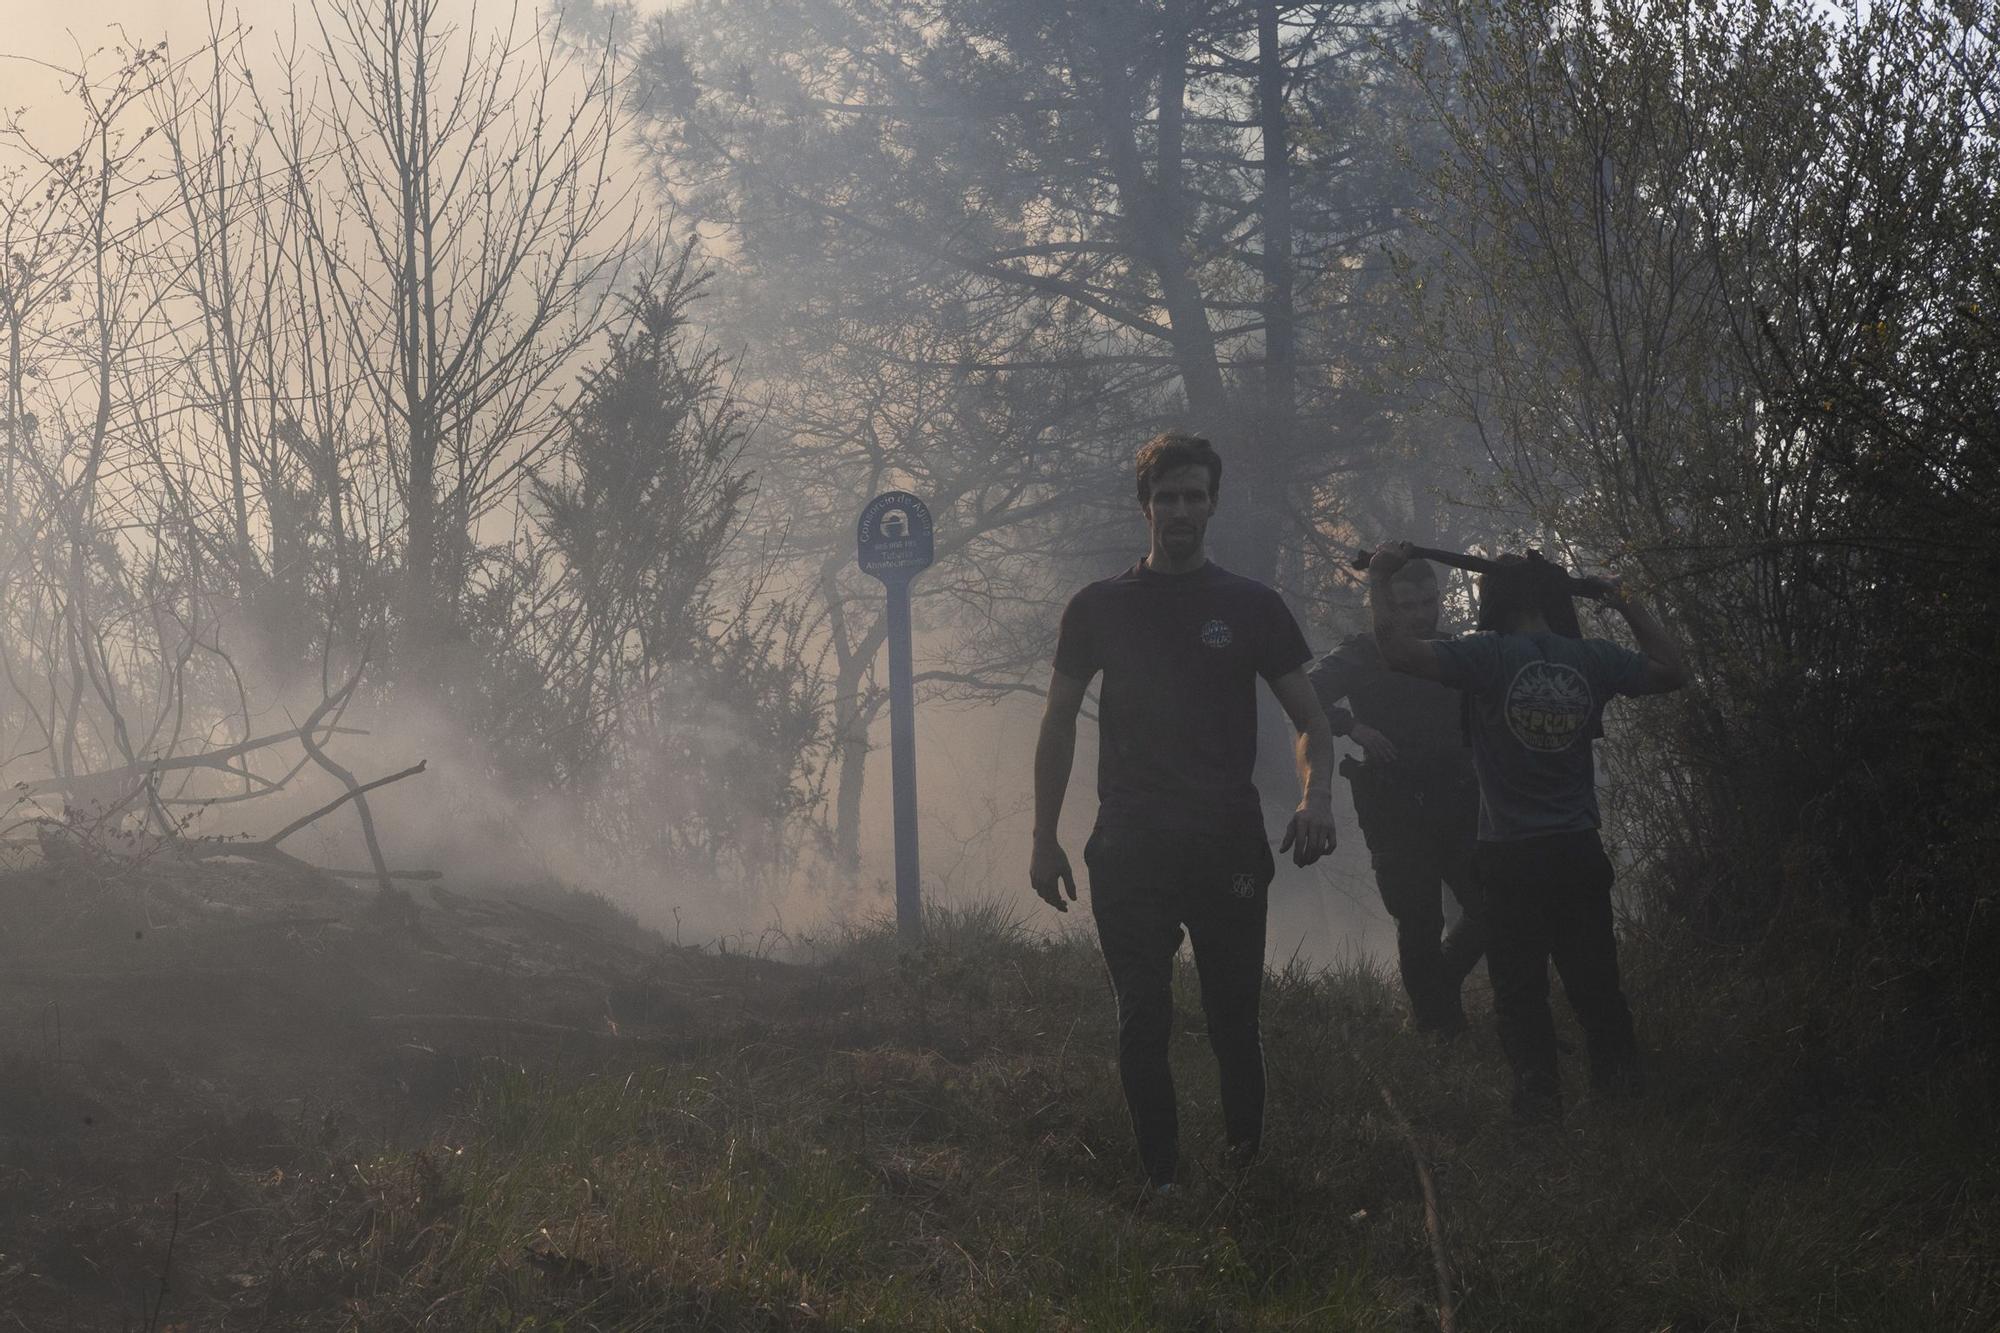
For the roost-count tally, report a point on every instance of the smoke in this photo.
(975, 817)
(483, 833)
(484, 821)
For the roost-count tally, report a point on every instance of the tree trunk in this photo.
(1260, 529)
(855, 703)
(1151, 208)
(1277, 416)
(851, 773)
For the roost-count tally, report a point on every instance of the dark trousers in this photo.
(1144, 887)
(1419, 841)
(1549, 900)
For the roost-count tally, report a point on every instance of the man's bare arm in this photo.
(1666, 668)
(1055, 754)
(1310, 834)
(1401, 650)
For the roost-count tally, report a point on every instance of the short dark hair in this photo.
(1523, 584)
(1410, 574)
(1415, 571)
(1174, 449)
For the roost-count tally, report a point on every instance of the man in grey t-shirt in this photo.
(1416, 800)
(1536, 698)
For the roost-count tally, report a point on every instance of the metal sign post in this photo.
(893, 539)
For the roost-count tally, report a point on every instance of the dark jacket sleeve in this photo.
(1330, 678)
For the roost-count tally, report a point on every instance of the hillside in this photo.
(233, 1100)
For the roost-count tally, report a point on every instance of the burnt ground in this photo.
(190, 1055)
(232, 1099)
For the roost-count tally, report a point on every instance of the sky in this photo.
(37, 33)
(54, 31)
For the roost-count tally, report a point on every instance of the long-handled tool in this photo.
(1541, 566)
(1553, 578)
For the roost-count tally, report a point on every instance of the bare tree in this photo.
(1006, 460)
(82, 604)
(117, 575)
(464, 233)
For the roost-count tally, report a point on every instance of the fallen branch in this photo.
(352, 794)
(1433, 1217)
(216, 849)
(309, 735)
(338, 699)
(263, 787)
(218, 759)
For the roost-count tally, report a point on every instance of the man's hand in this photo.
(1609, 590)
(1310, 834)
(1379, 748)
(1048, 867)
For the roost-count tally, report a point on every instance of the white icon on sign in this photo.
(896, 523)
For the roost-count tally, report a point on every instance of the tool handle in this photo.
(1593, 588)
(1457, 560)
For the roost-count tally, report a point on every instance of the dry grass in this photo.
(936, 1140)
(939, 1143)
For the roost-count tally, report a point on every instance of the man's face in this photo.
(1414, 603)
(1177, 515)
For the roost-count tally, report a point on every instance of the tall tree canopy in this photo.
(1196, 187)
(1125, 215)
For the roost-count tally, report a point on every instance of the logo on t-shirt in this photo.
(1217, 634)
(1548, 706)
(1243, 885)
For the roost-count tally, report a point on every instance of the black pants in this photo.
(1144, 886)
(1549, 899)
(1419, 841)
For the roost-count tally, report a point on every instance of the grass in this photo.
(935, 1140)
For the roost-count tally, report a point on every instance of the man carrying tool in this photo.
(1537, 690)
(1415, 798)
(1180, 838)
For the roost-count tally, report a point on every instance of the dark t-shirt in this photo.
(1536, 701)
(1177, 716)
(1421, 718)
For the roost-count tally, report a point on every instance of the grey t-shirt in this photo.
(1536, 699)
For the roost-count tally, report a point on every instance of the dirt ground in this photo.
(188, 1053)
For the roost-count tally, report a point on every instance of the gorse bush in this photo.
(1718, 284)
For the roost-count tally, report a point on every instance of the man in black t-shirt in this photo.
(1180, 838)
(1415, 797)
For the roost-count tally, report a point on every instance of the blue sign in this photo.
(894, 537)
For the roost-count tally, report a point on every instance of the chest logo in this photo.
(1243, 885)
(1548, 706)
(1217, 634)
